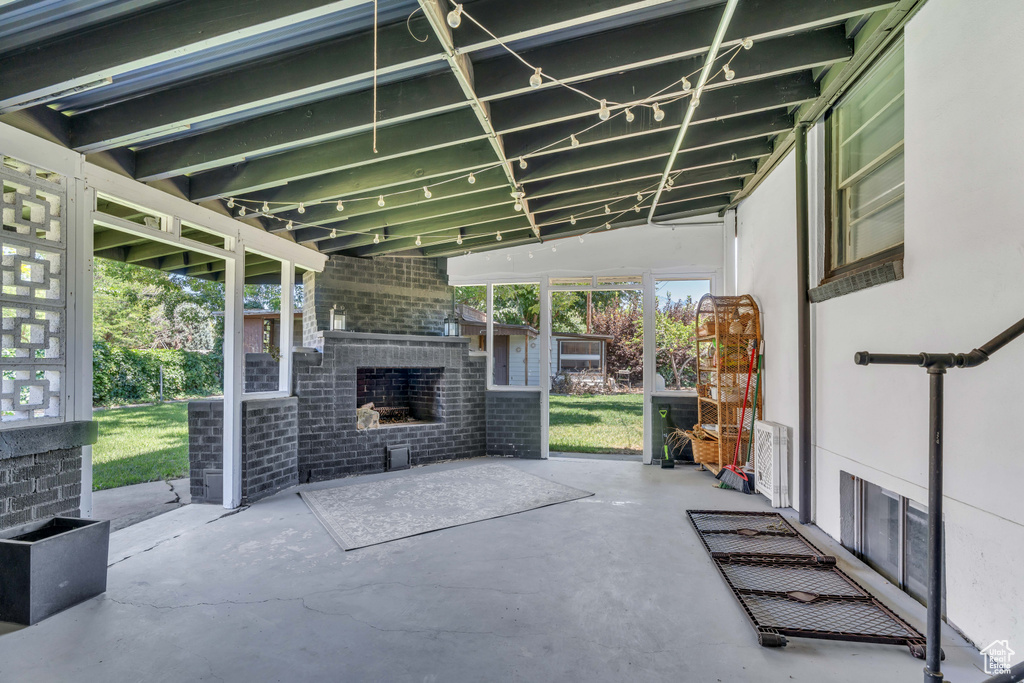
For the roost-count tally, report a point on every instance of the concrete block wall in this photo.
(383, 295)
(262, 372)
(40, 485)
(269, 446)
(513, 424)
(682, 414)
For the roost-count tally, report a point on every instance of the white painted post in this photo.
(544, 364)
(79, 320)
(234, 373)
(490, 335)
(650, 348)
(729, 253)
(287, 327)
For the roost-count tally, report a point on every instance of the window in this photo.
(891, 535)
(866, 169)
(579, 356)
(674, 322)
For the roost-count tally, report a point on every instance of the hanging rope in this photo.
(374, 76)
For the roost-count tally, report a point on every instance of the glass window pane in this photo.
(881, 542)
(676, 346)
(917, 551)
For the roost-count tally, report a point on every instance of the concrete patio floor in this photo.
(616, 587)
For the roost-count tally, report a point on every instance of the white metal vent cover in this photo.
(771, 462)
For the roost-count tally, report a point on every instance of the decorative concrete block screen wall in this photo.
(682, 414)
(383, 295)
(513, 424)
(270, 432)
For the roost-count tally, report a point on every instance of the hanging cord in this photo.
(375, 76)
(408, 26)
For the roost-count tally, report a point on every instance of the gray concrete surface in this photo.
(128, 505)
(615, 587)
(629, 457)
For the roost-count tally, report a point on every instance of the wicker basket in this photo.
(705, 452)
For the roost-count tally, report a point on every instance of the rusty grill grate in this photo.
(788, 587)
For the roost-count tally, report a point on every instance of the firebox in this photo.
(401, 395)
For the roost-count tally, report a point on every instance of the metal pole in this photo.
(933, 648)
(803, 318)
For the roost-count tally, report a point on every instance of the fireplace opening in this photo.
(399, 395)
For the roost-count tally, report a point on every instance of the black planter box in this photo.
(50, 565)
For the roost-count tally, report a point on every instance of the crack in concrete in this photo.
(177, 496)
(146, 550)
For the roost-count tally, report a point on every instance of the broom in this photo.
(732, 476)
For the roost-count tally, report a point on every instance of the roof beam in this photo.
(489, 222)
(512, 229)
(82, 60)
(614, 194)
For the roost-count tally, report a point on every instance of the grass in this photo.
(147, 443)
(597, 424)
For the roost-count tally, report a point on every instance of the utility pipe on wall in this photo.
(803, 321)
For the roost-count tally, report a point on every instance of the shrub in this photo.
(123, 375)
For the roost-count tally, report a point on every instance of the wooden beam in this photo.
(644, 170)
(555, 207)
(78, 60)
(488, 223)
(512, 231)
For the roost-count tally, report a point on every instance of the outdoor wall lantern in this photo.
(337, 317)
(451, 326)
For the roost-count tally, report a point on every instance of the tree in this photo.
(676, 342)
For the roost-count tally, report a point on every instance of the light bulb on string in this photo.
(671, 181)
(522, 162)
(629, 116)
(659, 113)
(241, 212)
(289, 226)
(607, 209)
(518, 206)
(380, 201)
(685, 82)
(341, 206)
(426, 192)
(231, 202)
(637, 208)
(607, 226)
(455, 16)
(535, 79)
(266, 207)
(639, 197)
(334, 233)
(471, 179)
(728, 73)
(694, 101)
(418, 241)
(376, 238)
(574, 141)
(603, 112)
(747, 43)
(302, 208)
(572, 220)
(458, 239)
(497, 236)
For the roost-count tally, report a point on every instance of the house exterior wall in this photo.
(523, 361)
(964, 282)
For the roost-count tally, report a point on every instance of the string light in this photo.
(572, 220)
(418, 241)
(629, 116)
(607, 226)
(607, 209)
(535, 79)
(471, 179)
(603, 112)
(671, 182)
(639, 197)
(241, 212)
(426, 192)
(728, 73)
(747, 43)
(289, 227)
(518, 205)
(266, 207)
(694, 102)
(302, 208)
(458, 240)
(573, 140)
(334, 233)
(522, 162)
(685, 82)
(231, 202)
(341, 206)
(659, 115)
(376, 238)
(637, 208)
(497, 235)
(380, 201)
(455, 16)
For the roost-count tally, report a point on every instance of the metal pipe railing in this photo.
(1015, 674)
(936, 365)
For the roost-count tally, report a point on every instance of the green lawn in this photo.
(140, 444)
(597, 424)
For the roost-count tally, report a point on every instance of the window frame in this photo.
(834, 228)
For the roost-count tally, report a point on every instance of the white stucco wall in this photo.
(964, 283)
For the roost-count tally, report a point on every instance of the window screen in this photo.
(867, 151)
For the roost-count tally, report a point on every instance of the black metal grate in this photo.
(788, 587)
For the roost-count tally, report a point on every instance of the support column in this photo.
(933, 646)
(287, 325)
(544, 364)
(234, 374)
(79, 318)
(650, 350)
(489, 305)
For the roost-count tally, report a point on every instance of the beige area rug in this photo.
(360, 515)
